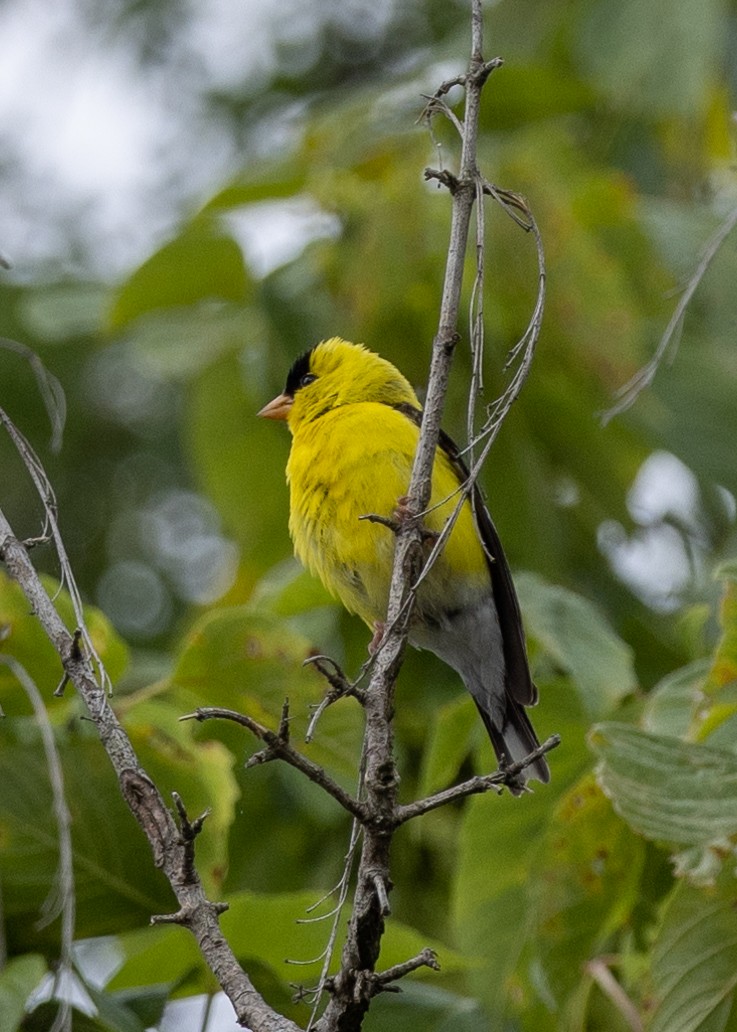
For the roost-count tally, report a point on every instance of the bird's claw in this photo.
(375, 643)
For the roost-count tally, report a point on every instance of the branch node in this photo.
(382, 895)
(340, 687)
(480, 74)
(283, 729)
(445, 87)
(75, 651)
(189, 829)
(444, 178)
(385, 521)
(74, 655)
(449, 343)
(381, 979)
(59, 690)
(301, 994)
(183, 916)
(262, 756)
(34, 542)
(143, 798)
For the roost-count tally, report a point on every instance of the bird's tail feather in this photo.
(515, 740)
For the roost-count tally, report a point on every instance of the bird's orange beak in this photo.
(278, 408)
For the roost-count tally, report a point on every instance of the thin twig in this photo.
(602, 975)
(61, 898)
(522, 353)
(49, 387)
(48, 498)
(344, 886)
(277, 748)
(474, 786)
(628, 394)
(427, 958)
(340, 688)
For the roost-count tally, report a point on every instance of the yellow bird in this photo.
(354, 421)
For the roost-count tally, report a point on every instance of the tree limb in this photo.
(170, 848)
(351, 987)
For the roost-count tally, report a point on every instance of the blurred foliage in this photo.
(615, 121)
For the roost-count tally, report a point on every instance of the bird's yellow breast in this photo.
(354, 460)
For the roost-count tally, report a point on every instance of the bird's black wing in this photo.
(519, 682)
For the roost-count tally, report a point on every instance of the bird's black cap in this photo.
(300, 367)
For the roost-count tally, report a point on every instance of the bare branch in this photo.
(48, 498)
(169, 849)
(49, 387)
(278, 748)
(601, 974)
(340, 688)
(474, 786)
(351, 988)
(61, 899)
(428, 958)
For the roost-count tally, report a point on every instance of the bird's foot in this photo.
(373, 645)
(402, 512)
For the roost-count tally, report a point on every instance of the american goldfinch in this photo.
(354, 421)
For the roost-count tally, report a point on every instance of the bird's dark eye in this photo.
(307, 379)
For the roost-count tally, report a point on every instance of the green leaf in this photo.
(669, 60)
(500, 844)
(587, 883)
(666, 789)
(129, 1010)
(202, 263)
(694, 960)
(42, 1019)
(265, 927)
(671, 705)
(116, 883)
(18, 979)
(577, 638)
(426, 1007)
(288, 590)
(246, 480)
(261, 181)
(523, 93)
(723, 671)
(692, 402)
(237, 654)
(449, 739)
(178, 343)
(68, 310)
(158, 955)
